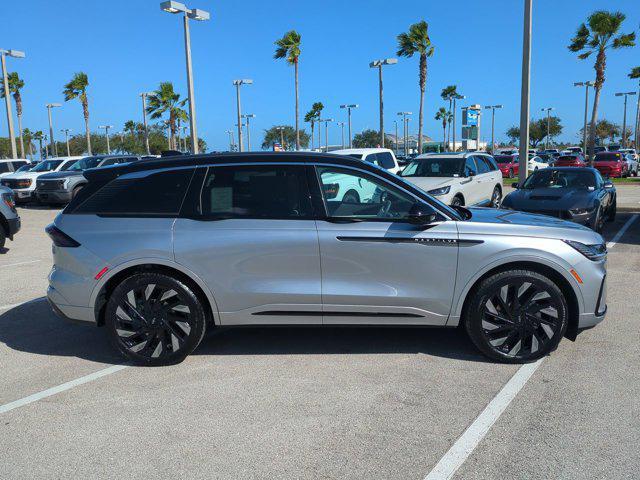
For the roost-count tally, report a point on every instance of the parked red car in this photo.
(611, 164)
(573, 160)
(508, 165)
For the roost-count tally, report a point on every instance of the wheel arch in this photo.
(553, 273)
(113, 278)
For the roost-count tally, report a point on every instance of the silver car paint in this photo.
(260, 266)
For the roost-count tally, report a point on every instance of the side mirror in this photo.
(608, 185)
(421, 214)
(472, 173)
(515, 185)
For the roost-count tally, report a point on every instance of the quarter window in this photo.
(262, 192)
(4, 167)
(353, 194)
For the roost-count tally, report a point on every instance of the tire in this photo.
(351, 197)
(457, 201)
(526, 306)
(510, 174)
(496, 197)
(598, 221)
(165, 325)
(3, 237)
(76, 191)
(613, 210)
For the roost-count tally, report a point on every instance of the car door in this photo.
(377, 268)
(248, 232)
(471, 186)
(485, 180)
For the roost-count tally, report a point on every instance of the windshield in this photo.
(504, 159)
(85, 163)
(548, 178)
(355, 155)
(608, 157)
(47, 166)
(434, 167)
(24, 168)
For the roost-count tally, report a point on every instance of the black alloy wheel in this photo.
(517, 316)
(154, 319)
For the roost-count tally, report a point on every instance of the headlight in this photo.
(592, 252)
(581, 211)
(7, 198)
(439, 191)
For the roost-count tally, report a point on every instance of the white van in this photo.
(382, 157)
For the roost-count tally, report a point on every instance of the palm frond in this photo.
(635, 73)
(625, 40)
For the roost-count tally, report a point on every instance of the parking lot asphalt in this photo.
(310, 402)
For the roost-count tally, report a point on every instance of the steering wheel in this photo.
(385, 209)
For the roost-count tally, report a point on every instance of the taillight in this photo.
(60, 239)
(7, 198)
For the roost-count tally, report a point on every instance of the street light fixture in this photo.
(624, 118)
(341, 125)
(238, 84)
(106, 129)
(7, 98)
(586, 110)
(493, 118)
(144, 96)
(348, 107)
(66, 134)
(195, 14)
(379, 64)
(405, 130)
(546, 141)
(247, 117)
(54, 148)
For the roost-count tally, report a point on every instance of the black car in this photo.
(580, 195)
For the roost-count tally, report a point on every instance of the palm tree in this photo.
(289, 47)
(28, 139)
(39, 136)
(444, 115)
(15, 85)
(447, 94)
(313, 116)
(77, 88)
(417, 40)
(163, 100)
(599, 34)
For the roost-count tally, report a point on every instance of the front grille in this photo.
(49, 184)
(563, 214)
(16, 183)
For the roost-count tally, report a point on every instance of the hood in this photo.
(511, 222)
(24, 175)
(59, 175)
(431, 183)
(549, 199)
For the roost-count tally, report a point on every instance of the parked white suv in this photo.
(468, 178)
(382, 157)
(10, 165)
(23, 184)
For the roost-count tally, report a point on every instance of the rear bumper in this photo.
(54, 196)
(69, 312)
(14, 226)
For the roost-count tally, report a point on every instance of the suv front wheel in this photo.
(516, 316)
(154, 319)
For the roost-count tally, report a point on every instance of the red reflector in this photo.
(101, 273)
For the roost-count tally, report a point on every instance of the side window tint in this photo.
(493, 166)
(470, 167)
(353, 194)
(17, 165)
(4, 167)
(483, 166)
(269, 192)
(140, 194)
(385, 160)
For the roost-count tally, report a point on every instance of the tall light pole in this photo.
(326, 133)
(281, 130)
(7, 97)
(230, 132)
(624, 118)
(378, 64)
(54, 148)
(395, 123)
(106, 130)
(144, 96)
(404, 131)
(247, 117)
(586, 111)
(523, 160)
(66, 135)
(184, 138)
(196, 14)
(455, 97)
(546, 140)
(349, 107)
(238, 84)
(341, 125)
(493, 124)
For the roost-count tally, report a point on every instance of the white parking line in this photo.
(459, 451)
(20, 263)
(60, 388)
(621, 232)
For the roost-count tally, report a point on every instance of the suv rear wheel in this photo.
(516, 316)
(154, 319)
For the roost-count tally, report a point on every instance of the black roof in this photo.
(231, 157)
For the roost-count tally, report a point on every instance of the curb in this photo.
(628, 209)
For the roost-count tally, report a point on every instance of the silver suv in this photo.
(159, 251)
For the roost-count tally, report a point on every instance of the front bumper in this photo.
(54, 196)
(23, 195)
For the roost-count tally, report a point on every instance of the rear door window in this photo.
(254, 191)
(5, 167)
(147, 193)
(470, 167)
(483, 165)
(385, 160)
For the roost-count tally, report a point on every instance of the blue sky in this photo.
(127, 47)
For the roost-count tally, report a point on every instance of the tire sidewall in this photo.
(194, 304)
